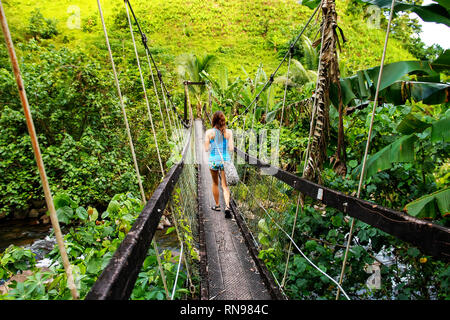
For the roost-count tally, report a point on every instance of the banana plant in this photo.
(250, 90)
(430, 205)
(223, 90)
(434, 12)
(328, 74)
(404, 149)
(190, 68)
(401, 81)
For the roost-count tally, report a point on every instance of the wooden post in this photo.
(209, 112)
(186, 93)
(37, 154)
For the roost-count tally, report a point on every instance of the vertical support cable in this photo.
(269, 82)
(38, 155)
(122, 105)
(281, 123)
(145, 91)
(157, 97)
(285, 87)
(175, 120)
(155, 247)
(178, 272)
(369, 136)
(283, 281)
(126, 124)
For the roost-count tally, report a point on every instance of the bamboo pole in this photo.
(37, 154)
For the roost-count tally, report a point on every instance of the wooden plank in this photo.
(118, 278)
(432, 239)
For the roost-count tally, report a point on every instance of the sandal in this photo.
(227, 213)
(215, 208)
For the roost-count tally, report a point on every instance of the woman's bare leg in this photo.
(215, 185)
(226, 191)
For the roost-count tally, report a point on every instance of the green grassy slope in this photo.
(240, 33)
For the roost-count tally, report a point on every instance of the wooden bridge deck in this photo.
(231, 271)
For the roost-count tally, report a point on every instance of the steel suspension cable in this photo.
(145, 92)
(155, 246)
(122, 105)
(144, 41)
(164, 90)
(271, 78)
(178, 272)
(298, 200)
(369, 136)
(191, 287)
(293, 242)
(278, 143)
(38, 155)
(157, 97)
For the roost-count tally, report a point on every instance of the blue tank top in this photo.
(219, 143)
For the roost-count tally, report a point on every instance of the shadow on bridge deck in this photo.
(231, 271)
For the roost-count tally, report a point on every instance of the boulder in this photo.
(45, 219)
(33, 213)
(166, 222)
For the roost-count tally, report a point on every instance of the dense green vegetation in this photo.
(79, 122)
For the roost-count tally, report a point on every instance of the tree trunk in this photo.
(328, 72)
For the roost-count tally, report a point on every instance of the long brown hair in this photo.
(218, 121)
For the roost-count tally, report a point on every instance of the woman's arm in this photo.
(207, 144)
(230, 141)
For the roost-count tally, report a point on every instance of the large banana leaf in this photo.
(439, 129)
(362, 85)
(435, 12)
(430, 205)
(443, 62)
(401, 150)
(428, 92)
(410, 124)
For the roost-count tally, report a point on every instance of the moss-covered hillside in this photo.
(242, 34)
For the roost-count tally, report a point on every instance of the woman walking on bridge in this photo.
(220, 139)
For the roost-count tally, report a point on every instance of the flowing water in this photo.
(31, 233)
(21, 232)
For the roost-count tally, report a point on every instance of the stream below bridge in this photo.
(34, 235)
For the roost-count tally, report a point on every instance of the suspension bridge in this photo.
(228, 263)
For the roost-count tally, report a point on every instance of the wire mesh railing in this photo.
(303, 246)
(268, 207)
(180, 265)
(132, 267)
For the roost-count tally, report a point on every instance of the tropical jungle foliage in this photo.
(79, 122)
